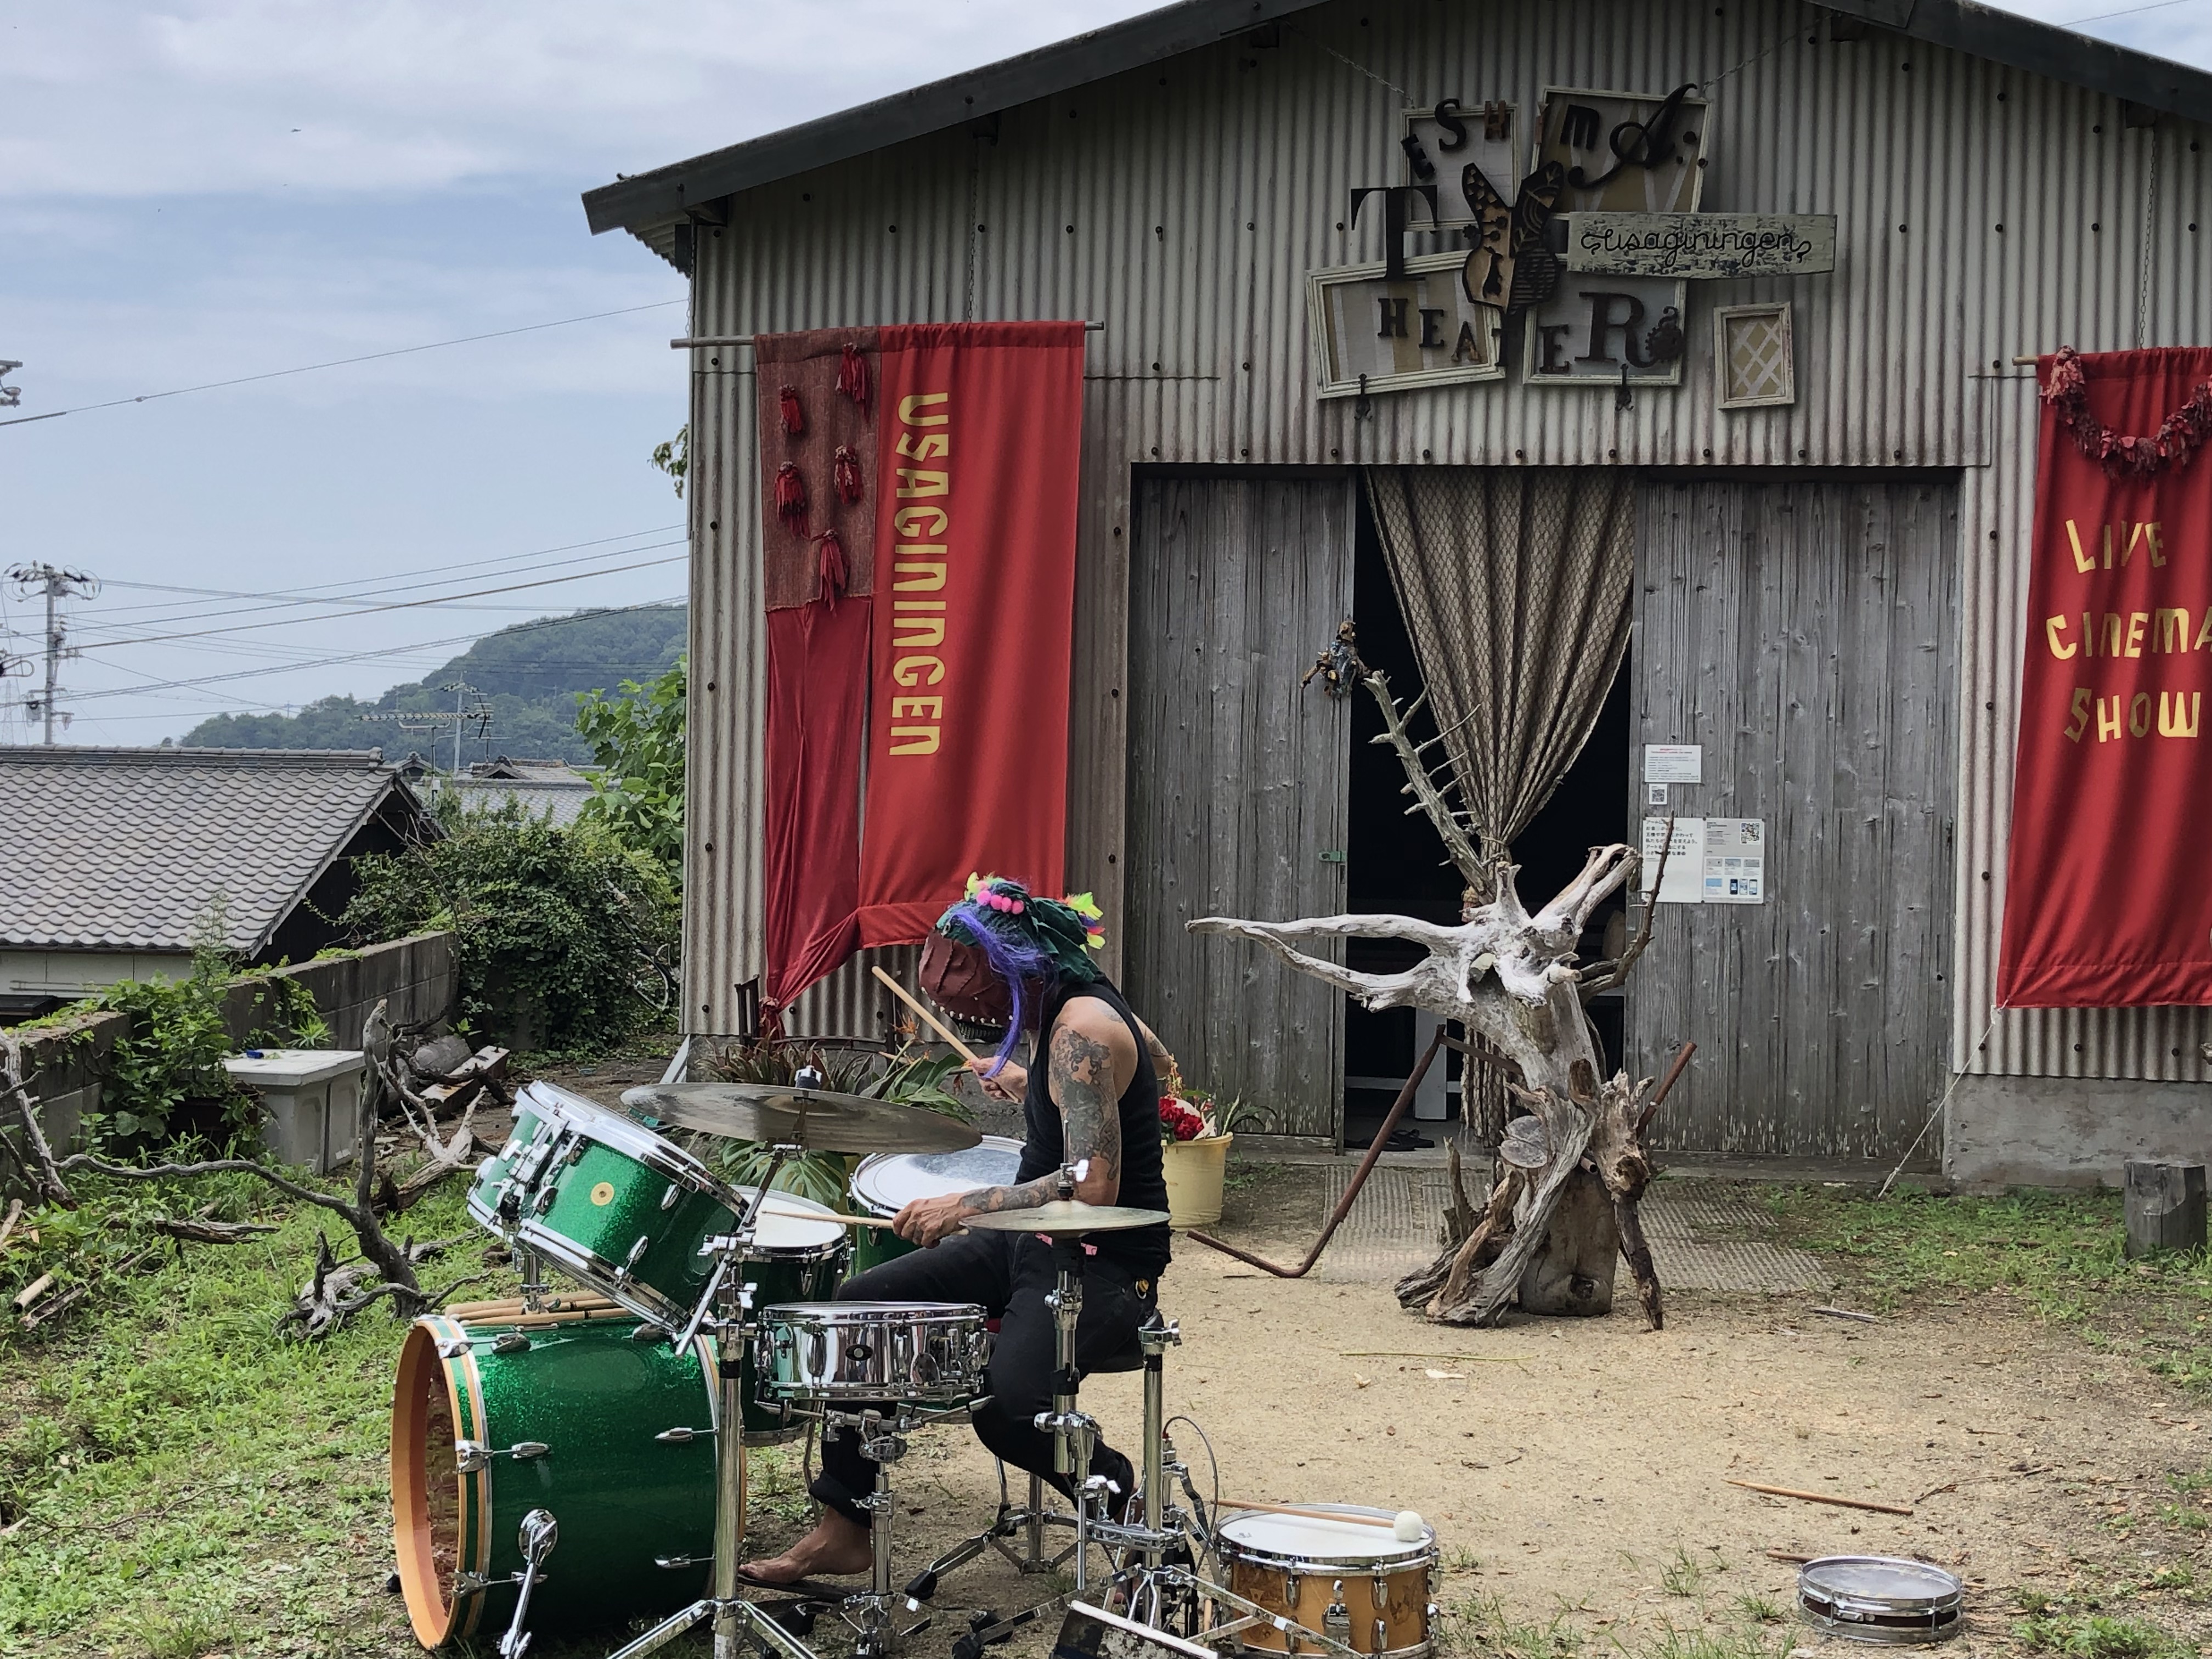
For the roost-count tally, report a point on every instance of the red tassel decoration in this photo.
(835, 573)
(794, 421)
(853, 376)
(845, 473)
(791, 498)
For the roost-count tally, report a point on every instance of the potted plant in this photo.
(1194, 1139)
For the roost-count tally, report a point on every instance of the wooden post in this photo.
(2164, 1207)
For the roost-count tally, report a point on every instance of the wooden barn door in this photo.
(1237, 778)
(1805, 632)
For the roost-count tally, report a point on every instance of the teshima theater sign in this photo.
(1591, 248)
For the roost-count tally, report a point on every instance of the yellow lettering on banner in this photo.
(910, 409)
(2172, 724)
(907, 632)
(2082, 561)
(2151, 535)
(914, 576)
(2080, 712)
(917, 605)
(916, 481)
(930, 447)
(2053, 630)
(2112, 634)
(917, 708)
(2137, 621)
(908, 671)
(914, 740)
(2139, 715)
(2204, 634)
(2108, 546)
(909, 520)
(2108, 719)
(2169, 629)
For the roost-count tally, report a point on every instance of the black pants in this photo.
(1009, 1275)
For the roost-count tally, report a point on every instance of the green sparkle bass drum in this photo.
(583, 1413)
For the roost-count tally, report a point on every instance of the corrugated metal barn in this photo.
(1828, 592)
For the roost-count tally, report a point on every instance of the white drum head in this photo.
(1298, 1538)
(774, 1233)
(889, 1182)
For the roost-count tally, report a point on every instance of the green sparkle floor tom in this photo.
(625, 1211)
(602, 1422)
(886, 1183)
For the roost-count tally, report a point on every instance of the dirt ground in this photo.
(1583, 1465)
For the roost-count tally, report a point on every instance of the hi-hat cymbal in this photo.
(817, 1119)
(1066, 1217)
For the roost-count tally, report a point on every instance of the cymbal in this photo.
(1066, 1217)
(819, 1120)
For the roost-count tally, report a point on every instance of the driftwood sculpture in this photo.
(1570, 1172)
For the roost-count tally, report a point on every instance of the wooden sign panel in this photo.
(1452, 136)
(1421, 330)
(1701, 245)
(1592, 328)
(1626, 152)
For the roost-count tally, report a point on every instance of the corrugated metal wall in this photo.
(1982, 212)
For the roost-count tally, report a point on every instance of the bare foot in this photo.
(834, 1547)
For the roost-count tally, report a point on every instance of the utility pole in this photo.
(429, 719)
(56, 584)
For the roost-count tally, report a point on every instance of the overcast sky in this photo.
(208, 188)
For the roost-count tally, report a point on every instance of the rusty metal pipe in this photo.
(1666, 1087)
(1351, 1192)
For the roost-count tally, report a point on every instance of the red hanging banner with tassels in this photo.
(2107, 899)
(919, 495)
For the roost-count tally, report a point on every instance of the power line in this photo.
(2128, 11)
(402, 604)
(392, 651)
(341, 363)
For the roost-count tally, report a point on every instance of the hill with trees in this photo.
(530, 674)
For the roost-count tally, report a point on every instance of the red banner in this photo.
(2107, 899)
(978, 444)
(918, 499)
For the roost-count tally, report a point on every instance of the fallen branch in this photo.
(1823, 1497)
(15, 1215)
(1846, 1313)
(199, 1231)
(32, 1292)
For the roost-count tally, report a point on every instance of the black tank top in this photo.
(1143, 1251)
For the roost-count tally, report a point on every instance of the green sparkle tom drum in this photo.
(625, 1211)
(793, 1258)
(587, 1415)
(504, 1180)
(886, 1183)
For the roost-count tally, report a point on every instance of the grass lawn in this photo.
(2057, 1256)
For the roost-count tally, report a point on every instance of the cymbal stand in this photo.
(726, 1308)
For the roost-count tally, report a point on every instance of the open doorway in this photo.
(1396, 863)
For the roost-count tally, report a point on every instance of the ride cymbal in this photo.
(1066, 1217)
(819, 1120)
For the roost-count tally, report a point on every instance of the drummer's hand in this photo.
(929, 1219)
(1011, 1084)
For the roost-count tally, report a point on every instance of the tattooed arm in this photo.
(1163, 1063)
(1092, 1057)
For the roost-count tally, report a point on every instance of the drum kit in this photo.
(608, 1427)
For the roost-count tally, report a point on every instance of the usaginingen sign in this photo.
(1709, 245)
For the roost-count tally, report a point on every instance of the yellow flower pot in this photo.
(1195, 1170)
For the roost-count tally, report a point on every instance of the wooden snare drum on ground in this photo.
(1353, 1579)
(886, 1183)
(570, 1413)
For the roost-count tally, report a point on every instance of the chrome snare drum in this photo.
(1880, 1599)
(926, 1352)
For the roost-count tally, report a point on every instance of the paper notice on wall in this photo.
(1734, 859)
(1685, 859)
(1674, 763)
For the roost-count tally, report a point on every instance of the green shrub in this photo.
(637, 739)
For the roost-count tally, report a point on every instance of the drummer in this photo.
(1003, 955)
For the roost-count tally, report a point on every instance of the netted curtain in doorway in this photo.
(1515, 583)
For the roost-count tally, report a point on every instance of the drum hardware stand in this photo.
(734, 1619)
(532, 1267)
(536, 1539)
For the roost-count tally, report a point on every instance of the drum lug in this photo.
(453, 1349)
(681, 1437)
(469, 1583)
(510, 1342)
(677, 1563)
(668, 1198)
(1382, 1637)
(636, 1253)
(471, 1455)
(1293, 1586)
(1336, 1618)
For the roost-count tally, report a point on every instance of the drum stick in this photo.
(926, 1017)
(1228, 1506)
(829, 1216)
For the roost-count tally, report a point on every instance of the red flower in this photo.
(1178, 1120)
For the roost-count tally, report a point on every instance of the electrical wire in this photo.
(341, 363)
(2128, 11)
(388, 652)
(403, 604)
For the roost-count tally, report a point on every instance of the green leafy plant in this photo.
(565, 937)
(674, 457)
(637, 740)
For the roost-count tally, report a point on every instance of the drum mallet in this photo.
(926, 1017)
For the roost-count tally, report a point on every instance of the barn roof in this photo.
(646, 201)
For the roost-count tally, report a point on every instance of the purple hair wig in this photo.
(1028, 967)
